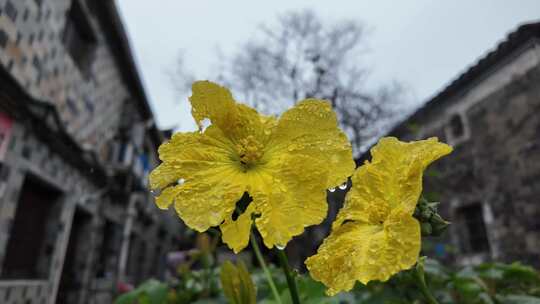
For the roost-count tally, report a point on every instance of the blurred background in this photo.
(90, 88)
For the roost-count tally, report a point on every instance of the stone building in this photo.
(490, 185)
(77, 140)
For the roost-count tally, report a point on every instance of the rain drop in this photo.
(155, 192)
(181, 181)
(205, 123)
(280, 247)
(332, 189)
(343, 186)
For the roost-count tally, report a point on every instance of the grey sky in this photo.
(424, 44)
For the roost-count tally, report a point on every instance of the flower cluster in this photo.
(285, 166)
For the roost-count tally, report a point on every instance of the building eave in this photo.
(42, 118)
(120, 47)
(528, 33)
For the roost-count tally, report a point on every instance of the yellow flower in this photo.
(375, 235)
(285, 165)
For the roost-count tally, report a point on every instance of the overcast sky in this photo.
(424, 44)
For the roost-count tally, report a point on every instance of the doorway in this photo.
(33, 231)
(71, 282)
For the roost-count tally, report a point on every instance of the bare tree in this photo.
(301, 57)
(180, 76)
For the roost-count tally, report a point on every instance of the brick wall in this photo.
(94, 103)
(33, 50)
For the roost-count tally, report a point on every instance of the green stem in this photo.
(290, 280)
(260, 258)
(421, 282)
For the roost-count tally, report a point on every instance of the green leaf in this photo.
(518, 299)
(156, 291)
(150, 292)
(237, 284)
(127, 298)
(434, 269)
(227, 276)
(518, 271)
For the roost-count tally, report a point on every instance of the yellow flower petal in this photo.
(190, 153)
(214, 102)
(338, 258)
(366, 191)
(374, 235)
(206, 200)
(295, 201)
(403, 237)
(235, 120)
(311, 128)
(167, 197)
(235, 233)
(394, 176)
(401, 166)
(366, 252)
(164, 175)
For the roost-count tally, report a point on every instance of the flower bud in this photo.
(426, 229)
(431, 223)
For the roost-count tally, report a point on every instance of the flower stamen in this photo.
(250, 150)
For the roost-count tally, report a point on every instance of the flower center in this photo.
(379, 212)
(250, 150)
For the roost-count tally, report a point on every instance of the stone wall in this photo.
(79, 259)
(33, 50)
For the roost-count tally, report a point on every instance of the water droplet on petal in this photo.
(155, 192)
(280, 247)
(343, 186)
(205, 123)
(181, 181)
(332, 189)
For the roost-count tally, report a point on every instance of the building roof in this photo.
(43, 120)
(121, 49)
(513, 42)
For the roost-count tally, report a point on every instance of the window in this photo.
(457, 129)
(79, 38)
(456, 126)
(472, 229)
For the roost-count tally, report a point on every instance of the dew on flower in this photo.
(332, 189)
(205, 123)
(155, 192)
(280, 247)
(343, 186)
